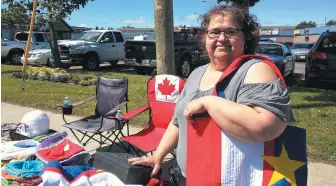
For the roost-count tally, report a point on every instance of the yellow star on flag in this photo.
(283, 167)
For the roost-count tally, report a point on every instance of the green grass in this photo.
(314, 109)
(45, 95)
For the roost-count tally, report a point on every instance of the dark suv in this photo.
(321, 60)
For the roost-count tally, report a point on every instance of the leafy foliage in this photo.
(306, 24)
(331, 23)
(48, 12)
(244, 3)
(14, 14)
(55, 75)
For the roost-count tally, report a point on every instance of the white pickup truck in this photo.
(92, 48)
(12, 51)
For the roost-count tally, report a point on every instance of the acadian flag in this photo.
(216, 158)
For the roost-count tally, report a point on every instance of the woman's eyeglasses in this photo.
(228, 32)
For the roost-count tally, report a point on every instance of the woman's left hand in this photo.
(194, 107)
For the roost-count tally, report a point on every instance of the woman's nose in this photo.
(221, 37)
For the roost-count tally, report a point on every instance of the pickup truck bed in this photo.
(142, 56)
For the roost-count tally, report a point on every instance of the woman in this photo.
(254, 90)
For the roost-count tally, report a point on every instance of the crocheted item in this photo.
(64, 150)
(16, 180)
(18, 149)
(43, 137)
(34, 123)
(52, 140)
(5, 131)
(61, 148)
(24, 169)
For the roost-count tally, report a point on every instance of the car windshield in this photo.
(303, 45)
(21, 36)
(90, 36)
(271, 49)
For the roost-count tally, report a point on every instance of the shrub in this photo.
(88, 78)
(60, 77)
(84, 83)
(93, 81)
(16, 75)
(55, 75)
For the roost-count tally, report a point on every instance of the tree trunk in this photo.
(164, 36)
(54, 45)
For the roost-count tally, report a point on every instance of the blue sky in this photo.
(140, 13)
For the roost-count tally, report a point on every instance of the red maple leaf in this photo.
(166, 88)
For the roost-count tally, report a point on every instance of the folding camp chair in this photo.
(162, 94)
(111, 95)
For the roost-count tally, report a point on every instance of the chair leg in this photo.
(84, 134)
(75, 135)
(117, 138)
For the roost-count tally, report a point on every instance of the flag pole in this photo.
(24, 67)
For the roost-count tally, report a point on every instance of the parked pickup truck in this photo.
(92, 48)
(12, 51)
(141, 55)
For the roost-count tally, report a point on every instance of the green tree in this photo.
(242, 3)
(331, 23)
(306, 24)
(14, 14)
(49, 12)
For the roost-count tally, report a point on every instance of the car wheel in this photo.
(185, 67)
(143, 70)
(91, 62)
(113, 63)
(282, 70)
(308, 82)
(293, 70)
(15, 57)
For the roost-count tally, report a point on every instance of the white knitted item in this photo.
(34, 123)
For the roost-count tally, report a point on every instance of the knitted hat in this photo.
(34, 123)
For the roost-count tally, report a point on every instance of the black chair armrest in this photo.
(108, 115)
(118, 107)
(68, 110)
(81, 101)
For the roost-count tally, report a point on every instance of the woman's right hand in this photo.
(152, 161)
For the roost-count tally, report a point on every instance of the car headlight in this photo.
(37, 55)
(80, 49)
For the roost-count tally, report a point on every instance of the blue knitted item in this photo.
(24, 169)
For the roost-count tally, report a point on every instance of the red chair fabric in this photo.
(162, 93)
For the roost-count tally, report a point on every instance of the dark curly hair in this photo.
(248, 23)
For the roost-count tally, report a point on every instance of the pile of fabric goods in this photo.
(46, 157)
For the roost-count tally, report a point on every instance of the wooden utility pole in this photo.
(31, 28)
(164, 36)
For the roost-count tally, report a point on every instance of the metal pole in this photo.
(164, 36)
(32, 21)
